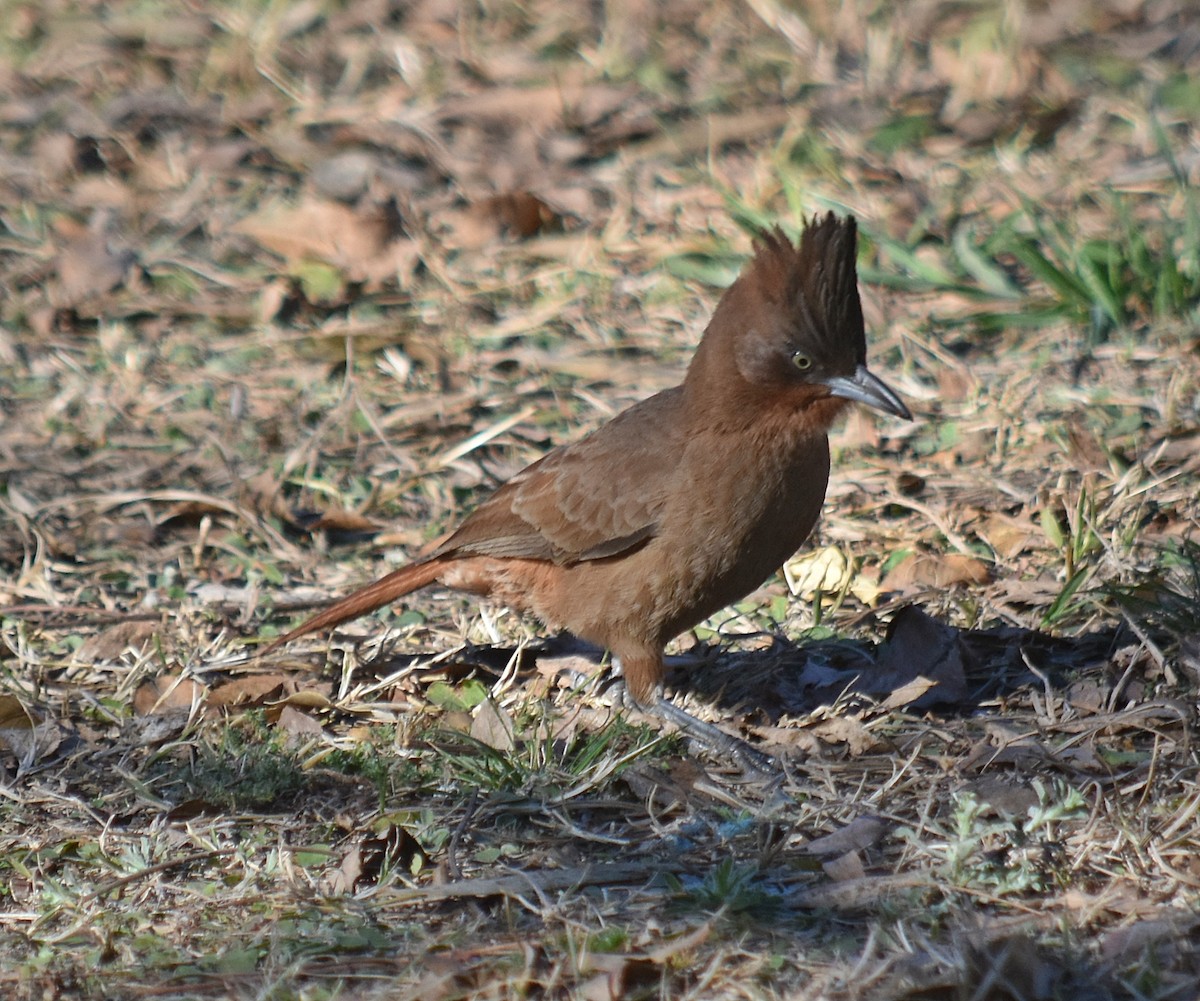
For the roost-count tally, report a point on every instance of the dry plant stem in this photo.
(456, 838)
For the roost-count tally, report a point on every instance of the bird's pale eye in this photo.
(802, 361)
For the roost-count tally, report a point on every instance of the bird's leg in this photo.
(643, 689)
(714, 738)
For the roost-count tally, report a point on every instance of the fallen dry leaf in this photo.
(357, 241)
(848, 730)
(918, 571)
(494, 726)
(17, 731)
(827, 570)
(252, 689)
(920, 664)
(338, 525)
(167, 693)
(345, 877)
(907, 694)
(111, 643)
(91, 265)
(516, 215)
(1008, 536)
(844, 867)
(862, 832)
(297, 723)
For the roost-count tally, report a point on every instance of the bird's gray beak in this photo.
(863, 387)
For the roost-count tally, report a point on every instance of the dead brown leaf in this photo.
(1007, 796)
(907, 694)
(1018, 969)
(844, 867)
(920, 663)
(17, 731)
(392, 849)
(91, 264)
(862, 832)
(615, 976)
(848, 730)
(345, 877)
(921, 570)
(681, 944)
(297, 723)
(168, 693)
(252, 689)
(314, 695)
(111, 643)
(1008, 536)
(339, 524)
(361, 241)
(1087, 452)
(494, 726)
(665, 790)
(516, 215)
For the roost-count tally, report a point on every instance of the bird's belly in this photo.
(747, 554)
(718, 543)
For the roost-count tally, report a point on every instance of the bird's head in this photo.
(790, 329)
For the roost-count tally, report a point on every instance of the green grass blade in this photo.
(991, 277)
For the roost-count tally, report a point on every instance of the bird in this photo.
(687, 501)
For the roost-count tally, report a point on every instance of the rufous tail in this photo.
(366, 599)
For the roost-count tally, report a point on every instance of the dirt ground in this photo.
(286, 289)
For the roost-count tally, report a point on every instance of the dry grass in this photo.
(286, 289)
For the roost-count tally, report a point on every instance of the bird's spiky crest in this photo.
(815, 282)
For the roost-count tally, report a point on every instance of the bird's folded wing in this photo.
(598, 497)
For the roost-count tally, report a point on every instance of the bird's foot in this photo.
(717, 740)
(712, 738)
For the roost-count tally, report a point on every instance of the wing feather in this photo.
(595, 498)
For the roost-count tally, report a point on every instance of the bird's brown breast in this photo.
(734, 509)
